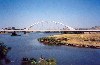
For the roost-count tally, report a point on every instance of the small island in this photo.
(75, 40)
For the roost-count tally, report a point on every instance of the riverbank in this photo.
(76, 40)
(41, 61)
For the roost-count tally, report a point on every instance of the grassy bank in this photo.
(79, 40)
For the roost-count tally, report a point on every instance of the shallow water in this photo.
(27, 45)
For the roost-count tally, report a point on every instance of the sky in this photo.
(74, 13)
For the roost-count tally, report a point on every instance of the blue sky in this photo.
(74, 13)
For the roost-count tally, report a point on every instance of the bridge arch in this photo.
(57, 26)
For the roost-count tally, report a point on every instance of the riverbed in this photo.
(27, 45)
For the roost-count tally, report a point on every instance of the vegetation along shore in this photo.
(76, 40)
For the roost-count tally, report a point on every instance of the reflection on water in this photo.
(28, 46)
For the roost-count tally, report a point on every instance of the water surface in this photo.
(28, 46)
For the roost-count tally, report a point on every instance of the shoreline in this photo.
(75, 40)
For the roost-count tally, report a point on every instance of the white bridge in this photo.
(49, 30)
(49, 26)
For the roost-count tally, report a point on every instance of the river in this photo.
(27, 45)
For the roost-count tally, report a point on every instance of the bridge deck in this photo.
(49, 30)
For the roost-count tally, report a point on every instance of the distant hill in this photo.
(92, 28)
(95, 28)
